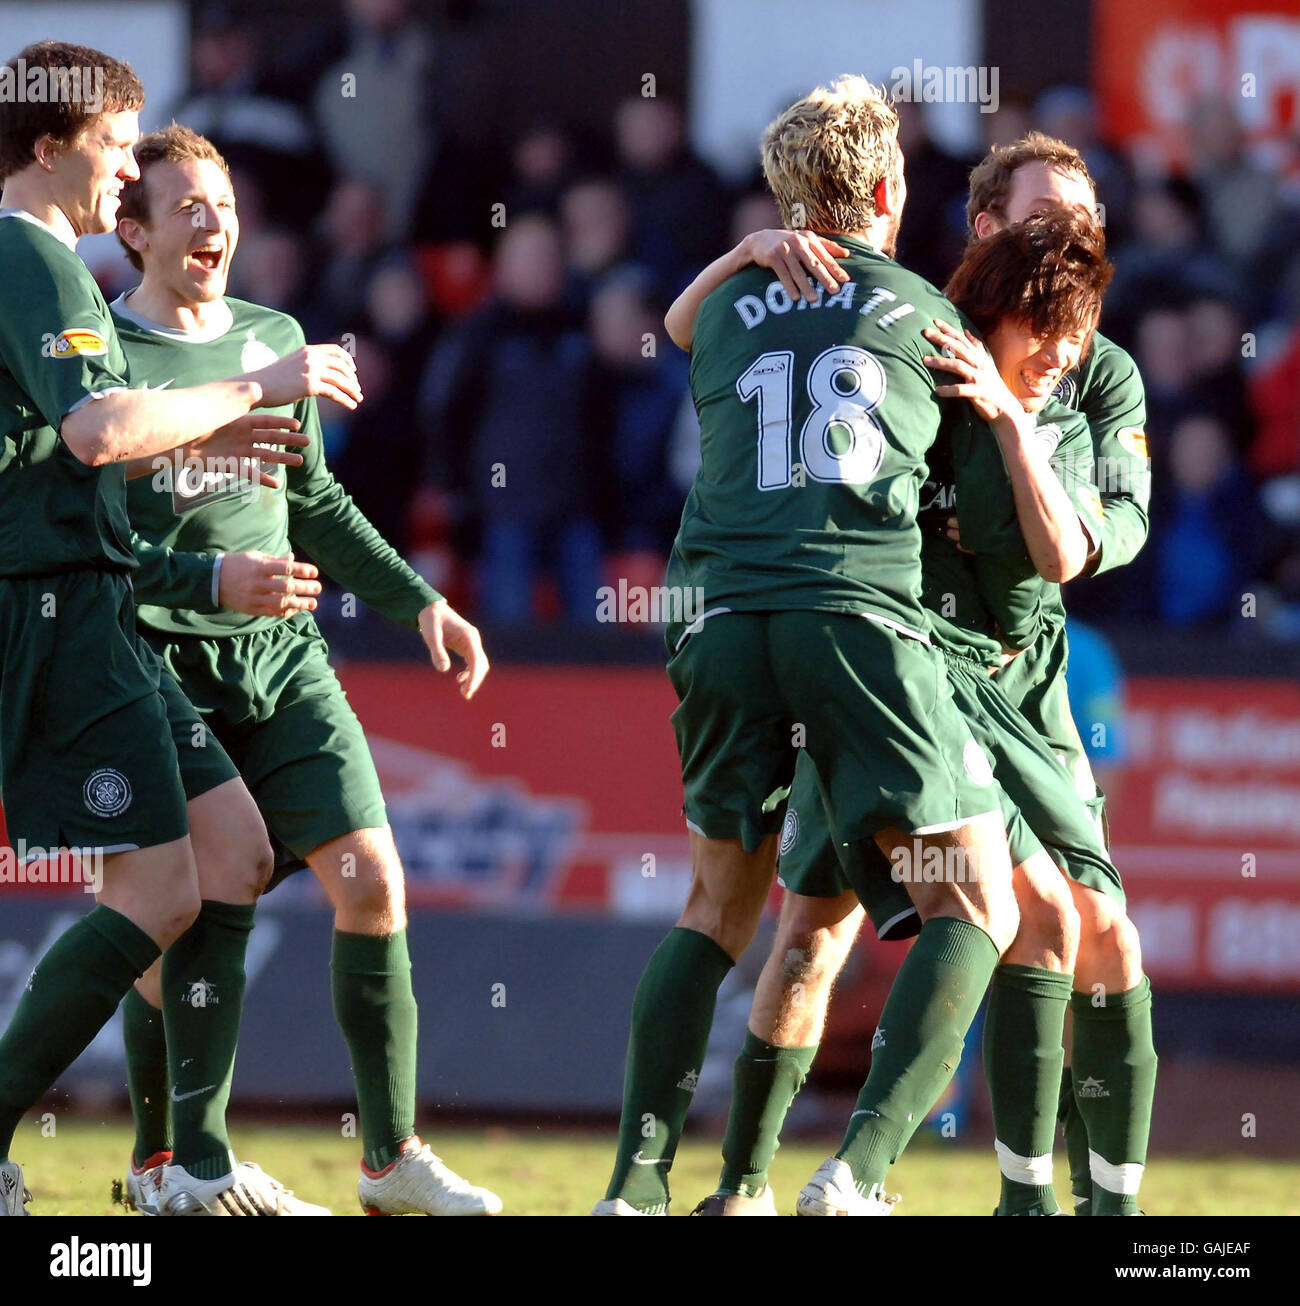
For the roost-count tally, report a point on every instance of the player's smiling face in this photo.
(91, 173)
(192, 230)
(1032, 367)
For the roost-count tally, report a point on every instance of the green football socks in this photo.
(1076, 1145)
(146, 1075)
(1114, 1069)
(672, 1014)
(1023, 1058)
(766, 1079)
(203, 999)
(370, 978)
(918, 1044)
(74, 989)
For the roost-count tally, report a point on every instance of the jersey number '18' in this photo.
(845, 384)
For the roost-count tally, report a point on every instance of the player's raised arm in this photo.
(803, 260)
(1054, 536)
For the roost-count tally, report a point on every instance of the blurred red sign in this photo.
(1153, 60)
(557, 788)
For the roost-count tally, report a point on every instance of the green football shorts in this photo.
(272, 699)
(871, 706)
(1043, 810)
(89, 724)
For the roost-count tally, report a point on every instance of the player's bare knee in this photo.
(175, 910)
(1051, 926)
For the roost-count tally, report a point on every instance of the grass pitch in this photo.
(542, 1171)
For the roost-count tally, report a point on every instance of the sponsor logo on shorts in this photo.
(78, 341)
(107, 792)
(1092, 1088)
(976, 764)
(789, 831)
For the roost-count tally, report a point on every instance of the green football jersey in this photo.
(1107, 389)
(987, 593)
(185, 516)
(58, 350)
(815, 423)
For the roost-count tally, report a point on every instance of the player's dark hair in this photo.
(173, 144)
(990, 178)
(1047, 273)
(76, 85)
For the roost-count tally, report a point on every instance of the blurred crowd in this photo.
(528, 435)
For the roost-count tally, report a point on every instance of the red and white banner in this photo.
(557, 789)
(1155, 59)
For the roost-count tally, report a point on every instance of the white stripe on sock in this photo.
(1034, 1170)
(1125, 1178)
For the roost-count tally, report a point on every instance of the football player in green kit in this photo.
(800, 539)
(820, 921)
(216, 574)
(89, 724)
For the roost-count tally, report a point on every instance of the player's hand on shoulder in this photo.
(261, 585)
(315, 371)
(445, 630)
(964, 356)
(804, 261)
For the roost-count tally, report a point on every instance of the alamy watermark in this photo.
(26, 863)
(38, 85)
(653, 604)
(945, 84)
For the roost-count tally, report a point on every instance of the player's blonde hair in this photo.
(825, 155)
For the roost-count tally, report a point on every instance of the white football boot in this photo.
(831, 1191)
(420, 1183)
(142, 1183)
(14, 1194)
(617, 1206)
(247, 1190)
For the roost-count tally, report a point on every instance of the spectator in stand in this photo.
(375, 106)
(931, 240)
(1070, 114)
(596, 223)
(639, 381)
(1210, 547)
(1214, 332)
(353, 242)
(1168, 254)
(237, 105)
(677, 201)
(379, 456)
(1240, 199)
(542, 161)
(505, 413)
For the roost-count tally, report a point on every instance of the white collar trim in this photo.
(224, 320)
(63, 237)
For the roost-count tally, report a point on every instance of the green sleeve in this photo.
(171, 578)
(325, 522)
(1114, 403)
(56, 336)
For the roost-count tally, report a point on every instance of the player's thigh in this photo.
(818, 871)
(733, 735)
(309, 766)
(361, 874)
(729, 888)
(1032, 775)
(876, 715)
(230, 844)
(1110, 950)
(156, 888)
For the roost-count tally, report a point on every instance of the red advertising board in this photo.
(557, 789)
(1154, 59)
